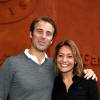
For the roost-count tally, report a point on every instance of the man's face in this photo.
(42, 35)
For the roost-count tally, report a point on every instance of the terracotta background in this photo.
(78, 20)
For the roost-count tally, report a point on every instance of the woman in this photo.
(69, 83)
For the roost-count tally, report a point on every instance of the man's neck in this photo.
(39, 54)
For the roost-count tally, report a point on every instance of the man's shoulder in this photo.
(51, 59)
(13, 62)
(14, 58)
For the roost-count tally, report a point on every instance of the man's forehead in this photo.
(44, 25)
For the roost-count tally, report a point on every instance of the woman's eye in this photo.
(60, 55)
(70, 56)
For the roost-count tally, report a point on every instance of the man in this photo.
(30, 76)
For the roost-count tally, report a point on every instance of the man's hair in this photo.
(43, 18)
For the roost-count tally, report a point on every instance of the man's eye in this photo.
(49, 34)
(39, 30)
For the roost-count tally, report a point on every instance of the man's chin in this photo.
(41, 49)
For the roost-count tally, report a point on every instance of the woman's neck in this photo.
(67, 79)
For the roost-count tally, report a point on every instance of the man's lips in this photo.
(42, 43)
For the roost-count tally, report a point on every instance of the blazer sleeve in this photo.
(93, 90)
(54, 90)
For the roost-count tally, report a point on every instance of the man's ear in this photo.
(51, 41)
(30, 35)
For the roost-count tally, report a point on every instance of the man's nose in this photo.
(44, 35)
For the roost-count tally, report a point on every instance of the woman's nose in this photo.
(64, 59)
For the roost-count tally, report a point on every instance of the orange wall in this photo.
(78, 20)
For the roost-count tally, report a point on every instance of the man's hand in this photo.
(89, 73)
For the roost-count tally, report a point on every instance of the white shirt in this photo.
(33, 57)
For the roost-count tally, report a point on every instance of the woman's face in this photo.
(65, 59)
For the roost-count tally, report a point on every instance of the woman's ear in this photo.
(75, 63)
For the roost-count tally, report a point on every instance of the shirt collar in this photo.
(34, 58)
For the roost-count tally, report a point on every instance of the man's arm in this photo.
(89, 73)
(5, 79)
